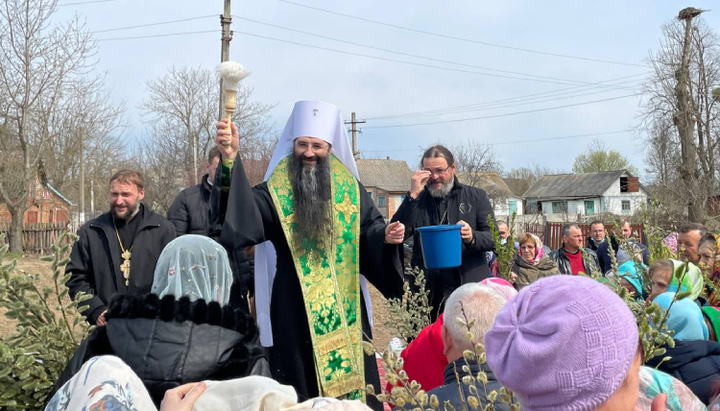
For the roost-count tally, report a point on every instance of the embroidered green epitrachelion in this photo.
(328, 270)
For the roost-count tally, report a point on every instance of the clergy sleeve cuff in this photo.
(226, 174)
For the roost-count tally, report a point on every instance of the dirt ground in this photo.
(29, 265)
(33, 265)
(382, 334)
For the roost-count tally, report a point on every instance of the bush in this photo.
(49, 330)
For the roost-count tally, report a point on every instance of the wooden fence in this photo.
(36, 238)
(552, 235)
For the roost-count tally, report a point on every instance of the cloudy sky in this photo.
(522, 76)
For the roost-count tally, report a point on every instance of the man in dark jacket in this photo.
(189, 211)
(436, 197)
(571, 257)
(597, 235)
(189, 214)
(117, 252)
(477, 304)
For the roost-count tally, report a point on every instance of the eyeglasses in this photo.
(304, 146)
(437, 171)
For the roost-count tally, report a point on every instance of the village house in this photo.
(387, 181)
(616, 192)
(45, 204)
(503, 200)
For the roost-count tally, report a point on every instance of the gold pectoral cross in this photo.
(125, 266)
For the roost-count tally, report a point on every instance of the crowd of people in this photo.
(186, 320)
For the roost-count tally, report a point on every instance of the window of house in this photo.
(382, 201)
(623, 184)
(626, 207)
(559, 207)
(402, 198)
(589, 207)
(512, 205)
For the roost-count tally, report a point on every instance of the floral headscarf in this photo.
(539, 251)
(194, 266)
(692, 282)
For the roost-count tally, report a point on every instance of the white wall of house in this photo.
(505, 207)
(616, 202)
(620, 204)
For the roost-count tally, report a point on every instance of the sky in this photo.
(520, 76)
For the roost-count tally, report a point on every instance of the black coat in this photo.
(465, 203)
(172, 342)
(95, 260)
(449, 390)
(189, 213)
(696, 363)
(603, 253)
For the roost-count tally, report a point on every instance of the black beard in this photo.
(312, 191)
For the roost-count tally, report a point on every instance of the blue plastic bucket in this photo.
(441, 246)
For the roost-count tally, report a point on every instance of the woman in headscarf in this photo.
(664, 275)
(184, 330)
(568, 343)
(632, 279)
(694, 360)
(530, 263)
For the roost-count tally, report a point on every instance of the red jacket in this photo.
(423, 358)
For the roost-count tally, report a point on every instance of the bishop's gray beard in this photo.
(312, 191)
(442, 191)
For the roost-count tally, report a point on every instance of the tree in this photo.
(519, 180)
(680, 113)
(473, 159)
(89, 119)
(38, 61)
(181, 112)
(599, 158)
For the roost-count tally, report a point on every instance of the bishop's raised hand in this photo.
(222, 135)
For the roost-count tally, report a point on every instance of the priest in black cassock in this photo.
(321, 230)
(117, 252)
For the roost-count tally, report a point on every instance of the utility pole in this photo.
(92, 198)
(225, 21)
(82, 178)
(684, 119)
(354, 131)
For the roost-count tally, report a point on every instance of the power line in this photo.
(154, 24)
(446, 36)
(405, 54)
(557, 92)
(519, 141)
(506, 114)
(159, 35)
(85, 2)
(394, 60)
(497, 106)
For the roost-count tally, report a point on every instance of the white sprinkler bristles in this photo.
(232, 72)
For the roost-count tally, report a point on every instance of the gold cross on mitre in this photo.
(315, 111)
(125, 266)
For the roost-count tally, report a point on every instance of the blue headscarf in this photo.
(194, 266)
(685, 318)
(629, 272)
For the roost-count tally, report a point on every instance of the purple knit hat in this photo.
(565, 343)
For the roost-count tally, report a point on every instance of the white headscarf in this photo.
(308, 119)
(194, 266)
